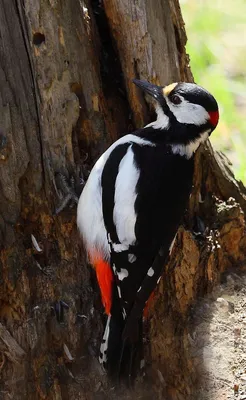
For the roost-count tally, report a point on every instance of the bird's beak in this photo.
(150, 88)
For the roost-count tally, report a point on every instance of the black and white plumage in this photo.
(132, 205)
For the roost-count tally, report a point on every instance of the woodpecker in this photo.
(131, 207)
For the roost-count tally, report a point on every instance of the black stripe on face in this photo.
(164, 106)
(108, 181)
(196, 95)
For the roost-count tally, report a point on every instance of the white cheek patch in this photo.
(188, 113)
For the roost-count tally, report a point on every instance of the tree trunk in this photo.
(65, 94)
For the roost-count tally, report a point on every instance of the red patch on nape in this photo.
(214, 117)
(105, 280)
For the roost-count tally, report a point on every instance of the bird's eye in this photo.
(175, 99)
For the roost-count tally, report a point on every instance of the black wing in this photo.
(161, 194)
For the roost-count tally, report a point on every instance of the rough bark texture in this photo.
(65, 94)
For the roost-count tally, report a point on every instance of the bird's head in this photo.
(186, 113)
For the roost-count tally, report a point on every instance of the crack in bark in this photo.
(111, 73)
(23, 25)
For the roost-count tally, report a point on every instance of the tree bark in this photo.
(65, 94)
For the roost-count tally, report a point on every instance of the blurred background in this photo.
(216, 31)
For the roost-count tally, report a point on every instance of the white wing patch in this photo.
(119, 247)
(122, 274)
(150, 272)
(89, 213)
(131, 258)
(125, 196)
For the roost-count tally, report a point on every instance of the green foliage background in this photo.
(216, 31)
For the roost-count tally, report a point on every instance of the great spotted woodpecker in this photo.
(132, 205)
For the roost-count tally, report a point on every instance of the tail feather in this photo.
(104, 344)
(121, 357)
